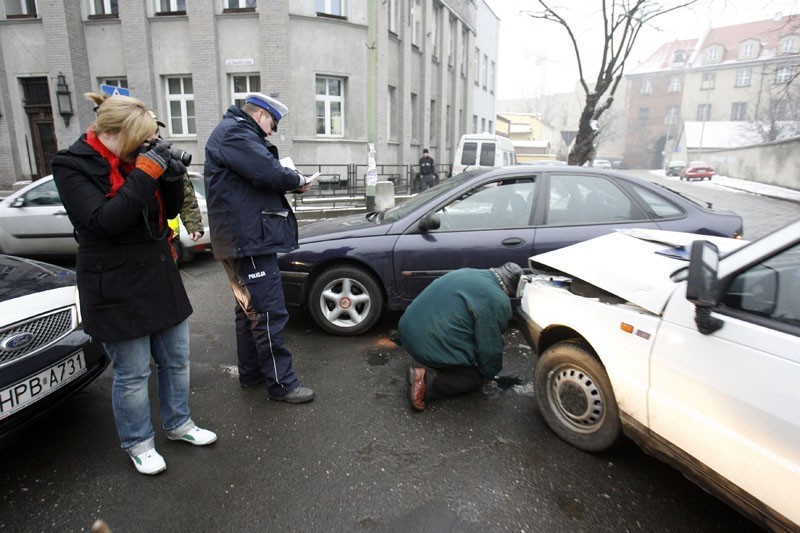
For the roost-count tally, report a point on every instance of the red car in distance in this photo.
(697, 170)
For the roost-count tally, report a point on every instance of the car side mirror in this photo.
(430, 222)
(702, 285)
(18, 202)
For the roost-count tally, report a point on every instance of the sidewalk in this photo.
(771, 191)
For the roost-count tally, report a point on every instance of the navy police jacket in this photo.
(246, 185)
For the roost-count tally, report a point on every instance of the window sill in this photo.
(330, 16)
(239, 10)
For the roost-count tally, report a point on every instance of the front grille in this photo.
(43, 331)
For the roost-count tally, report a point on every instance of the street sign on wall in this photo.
(111, 90)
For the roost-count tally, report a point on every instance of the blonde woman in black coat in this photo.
(119, 186)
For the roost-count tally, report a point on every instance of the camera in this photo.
(181, 155)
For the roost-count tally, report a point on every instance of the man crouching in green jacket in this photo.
(456, 326)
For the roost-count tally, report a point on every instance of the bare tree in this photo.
(622, 21)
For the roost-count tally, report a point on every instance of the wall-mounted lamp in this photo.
(63, 99)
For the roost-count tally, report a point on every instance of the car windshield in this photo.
(399, 211)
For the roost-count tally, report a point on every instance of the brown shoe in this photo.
(416, 387)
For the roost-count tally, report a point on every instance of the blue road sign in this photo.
(111, 90)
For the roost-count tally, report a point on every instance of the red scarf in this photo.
(116, 178)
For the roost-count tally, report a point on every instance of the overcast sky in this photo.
(536, 56)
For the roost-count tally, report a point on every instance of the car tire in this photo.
(575, 397)
(346, 300)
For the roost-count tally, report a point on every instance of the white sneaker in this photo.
(197, 436)
(149, 462)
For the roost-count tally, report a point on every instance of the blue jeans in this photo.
(130, 397)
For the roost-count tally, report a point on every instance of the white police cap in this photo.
(276, 108)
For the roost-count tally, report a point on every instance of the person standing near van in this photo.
(427, 171)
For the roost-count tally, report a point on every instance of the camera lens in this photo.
(181, 155)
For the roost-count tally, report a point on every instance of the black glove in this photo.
(175, 171)
(154, 160)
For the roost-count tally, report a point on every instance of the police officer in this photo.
(250, 222)
(427, 171)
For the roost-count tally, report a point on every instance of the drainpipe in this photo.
(372, 45)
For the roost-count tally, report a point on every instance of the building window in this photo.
(709, 79)
(240, 5)
(115, 82)
(646, 88)
(464, 51)
(242, 85)
(330, 7)
(704, 112)
(485, 71)
(784, 75)
(747, 50)
(739, 111)
(451, 51)
(477, 65)
(491, 77)
(20, 8)
(414, 118)
(743, 77)
(713, 54)
(671, 117)
(416, 22)
(170, 7)
(644, 114)
(394, 7)
(433, 132)
(474, 123)
(104, 8)
(789, 45)
(675, 84)
(391, 114)
(330, 106)
(180, 98)
(679, 56)
(435, 19)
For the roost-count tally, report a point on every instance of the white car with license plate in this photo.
(45, 356)
(689, 345)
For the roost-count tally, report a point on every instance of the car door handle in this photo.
(513, 242)
(60, 214)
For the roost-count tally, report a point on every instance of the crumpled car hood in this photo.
(635, 265)
(21, 277)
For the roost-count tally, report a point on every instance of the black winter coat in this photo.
(128, 283)
(246, 188)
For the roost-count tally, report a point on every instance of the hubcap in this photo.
(575, 398)
(345, 302)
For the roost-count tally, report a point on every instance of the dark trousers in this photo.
(426, 181)
(451, 381)
(261, 317)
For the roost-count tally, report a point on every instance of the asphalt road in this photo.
(357, 458)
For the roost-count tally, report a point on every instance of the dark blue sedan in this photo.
(45, 356)
(348, 270)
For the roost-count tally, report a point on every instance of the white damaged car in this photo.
(689, 345)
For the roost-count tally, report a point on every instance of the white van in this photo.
(483, 150)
